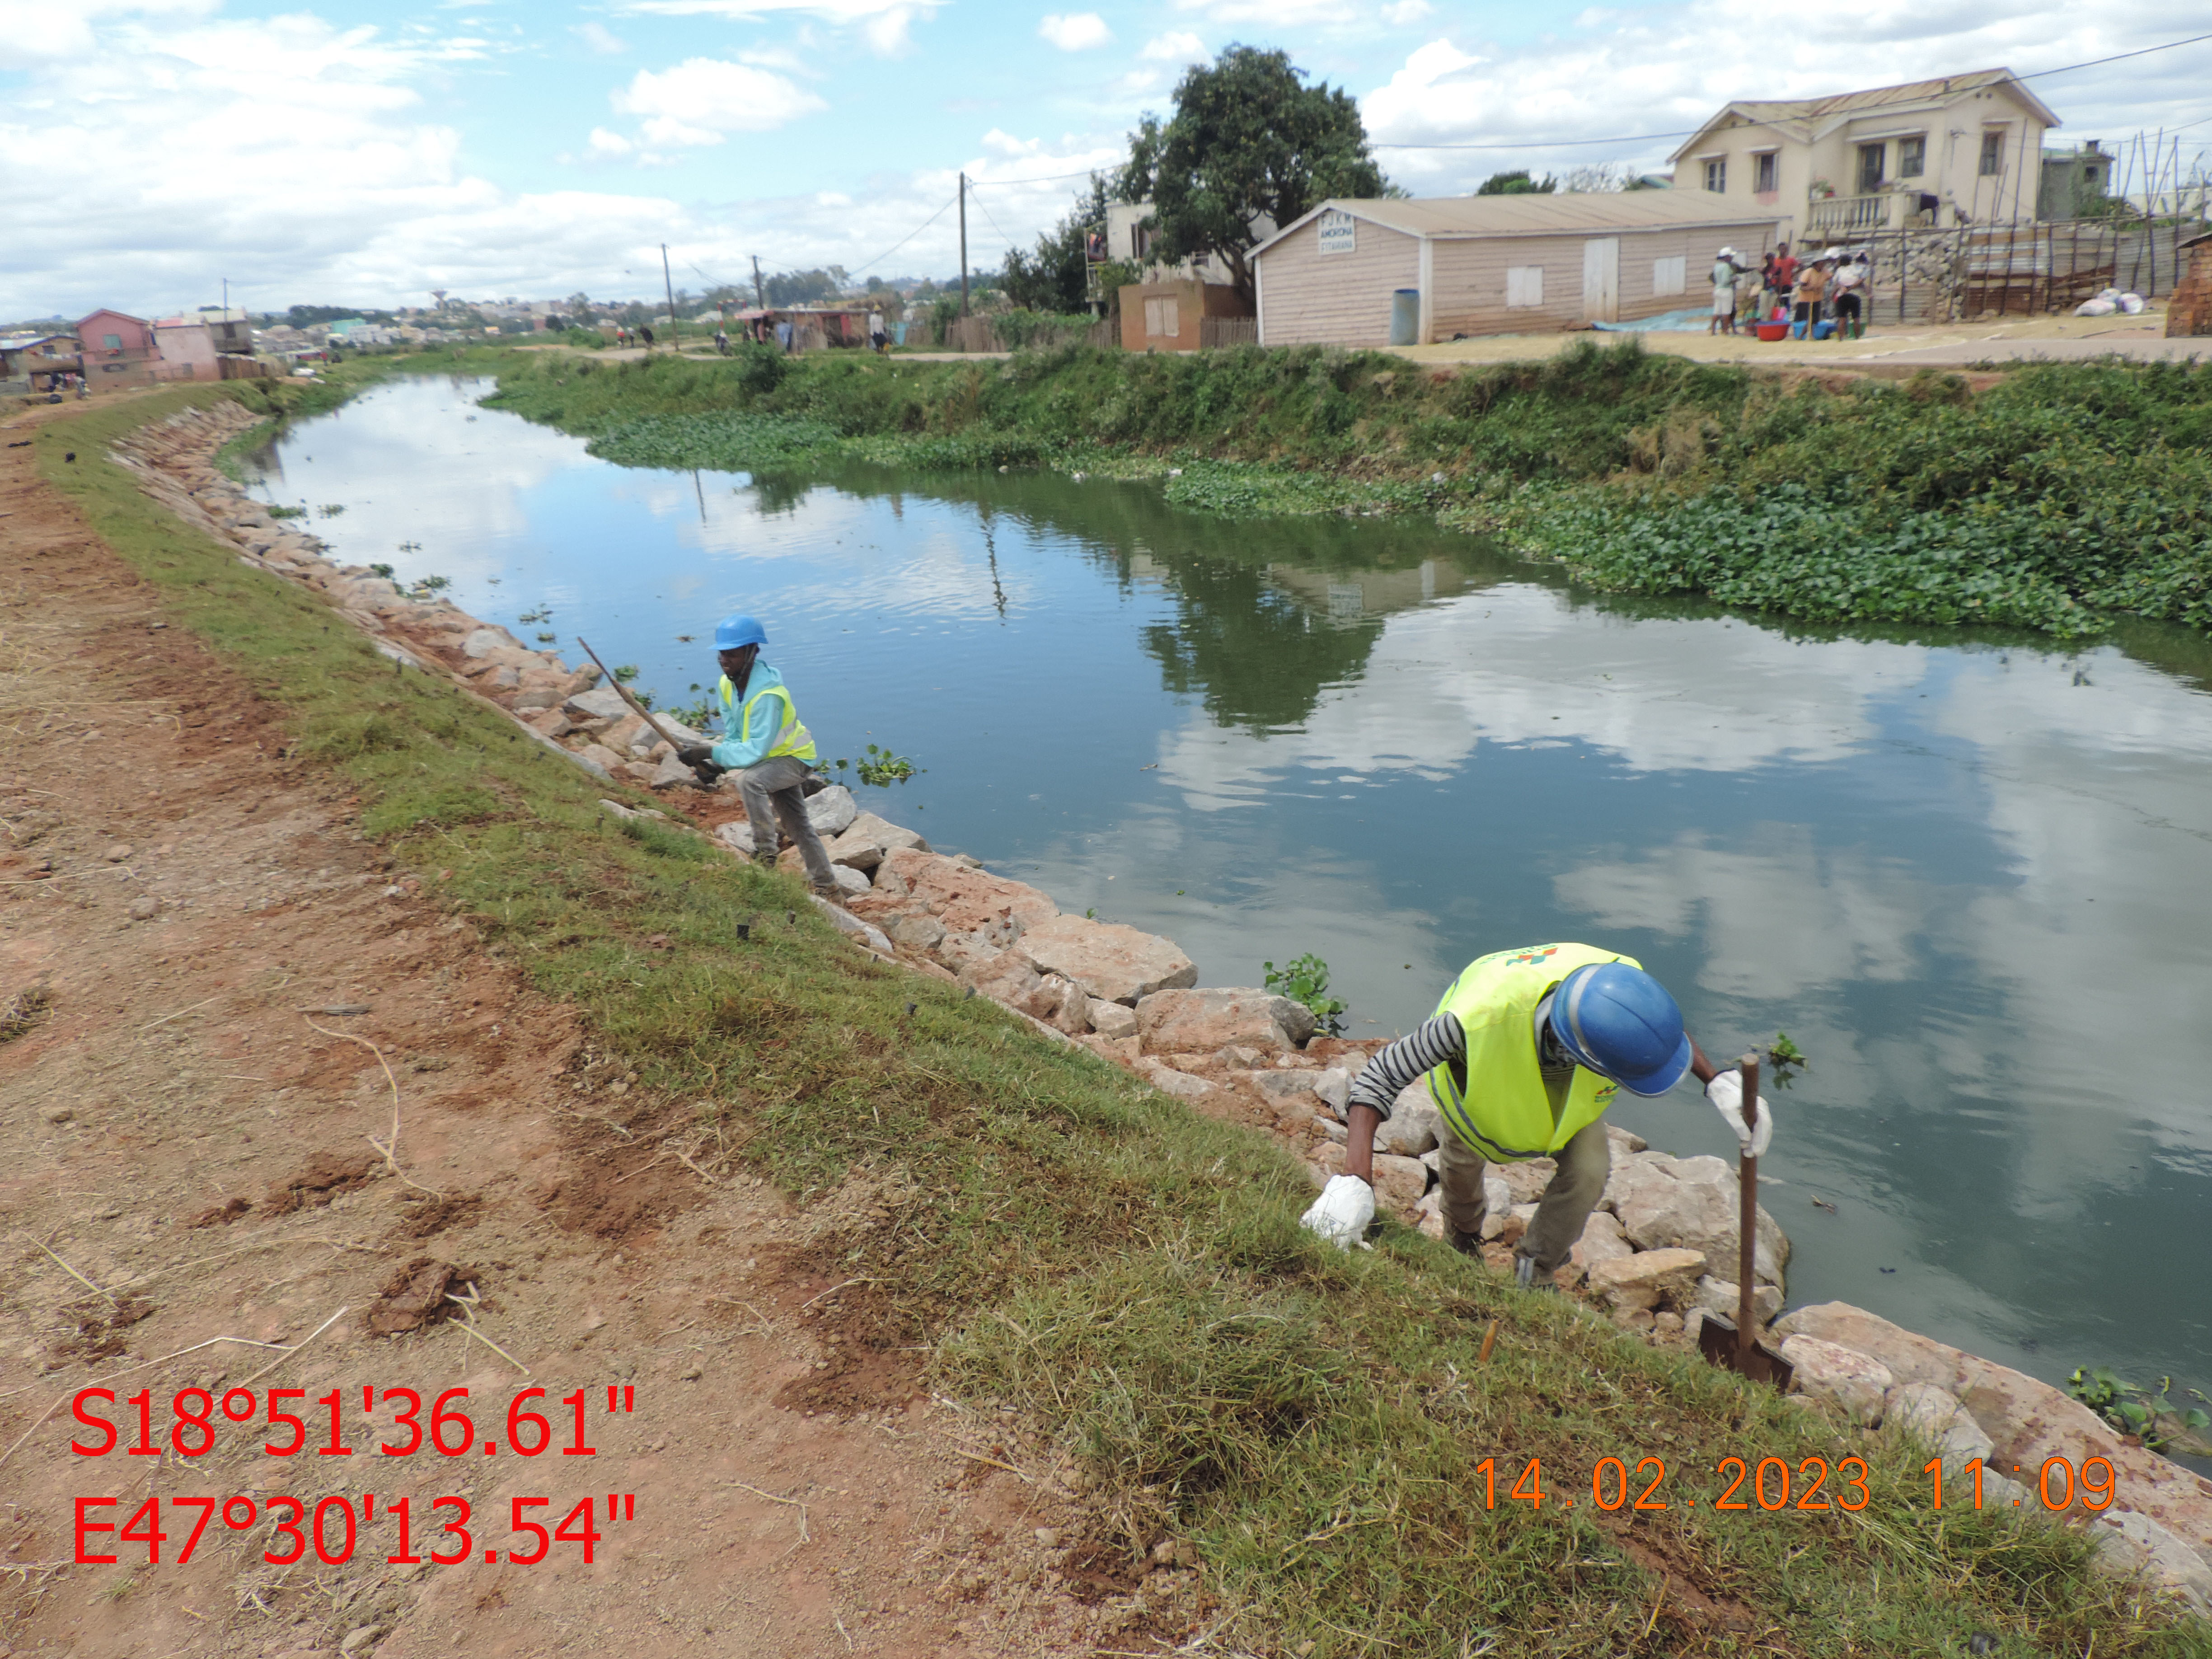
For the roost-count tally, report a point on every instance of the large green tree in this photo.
(1056, 276)
(1249, 143)
(1517, 183)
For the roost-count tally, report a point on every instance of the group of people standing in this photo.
(1804, 292)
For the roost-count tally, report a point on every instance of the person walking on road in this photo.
(765, 744)
(1523, 1056)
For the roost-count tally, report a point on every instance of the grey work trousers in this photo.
(1584, 1162)
(772, 794)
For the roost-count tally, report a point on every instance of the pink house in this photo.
(118, 348)
(107, 336)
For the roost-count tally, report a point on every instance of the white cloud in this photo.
(1335, 16)
(886, 25)
(34, 32)
(1177, 46)
(1407, 11)
(1006, 144)
(1074, 31)
(703, 99)
(1626, 74)
(605, 144)
(890, 34)
(600, 38)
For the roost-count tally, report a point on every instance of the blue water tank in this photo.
(1406, 317)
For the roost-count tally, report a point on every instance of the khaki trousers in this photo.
(771, 792)
(1584, 1162)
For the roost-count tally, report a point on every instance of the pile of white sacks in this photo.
(1654, 1253)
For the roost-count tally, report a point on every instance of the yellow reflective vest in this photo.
(1503, 1110)
(792, 737)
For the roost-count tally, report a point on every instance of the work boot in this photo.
(1468, 1244)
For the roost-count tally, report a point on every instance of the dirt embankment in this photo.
(271, 1117)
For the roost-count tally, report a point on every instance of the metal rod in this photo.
(963, 250)
(1747, 1325)
(675, 333)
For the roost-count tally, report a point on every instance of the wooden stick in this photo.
(622, 691)
(1489, 1338)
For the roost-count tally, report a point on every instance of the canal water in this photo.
(1970, 875)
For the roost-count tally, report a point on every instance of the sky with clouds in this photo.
(336, 151)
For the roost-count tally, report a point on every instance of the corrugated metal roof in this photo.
(1910, 92)
(1536, 215)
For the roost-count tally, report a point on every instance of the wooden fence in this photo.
(1972, 271)
(982, 334)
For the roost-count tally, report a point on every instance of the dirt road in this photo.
(271, 1118)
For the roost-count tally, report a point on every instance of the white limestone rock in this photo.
(832, 810)
(1856, 1381)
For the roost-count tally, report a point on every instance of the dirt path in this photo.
(197, 953)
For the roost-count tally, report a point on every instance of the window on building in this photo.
(112, 341)
(1911, 157)
(1716, 176)
(1992, 155)
(1670, 275)
(1524, 285)
(1164, 317)
(1873, 168)
(1766, 172)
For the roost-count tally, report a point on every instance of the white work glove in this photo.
(1342, 1212)
(1726, 1092)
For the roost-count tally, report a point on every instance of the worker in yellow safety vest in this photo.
(764, 744)
(1523, 1056)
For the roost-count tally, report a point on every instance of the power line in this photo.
(878, 260)
(1647, 137)
(977, 194)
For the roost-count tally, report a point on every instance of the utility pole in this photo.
(759, 293)
(674, 336)
(963, 245)
(225, 299)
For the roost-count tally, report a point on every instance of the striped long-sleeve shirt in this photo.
(1439, 1040)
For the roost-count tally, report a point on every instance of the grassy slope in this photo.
(1129, 1273)
(2065, 491)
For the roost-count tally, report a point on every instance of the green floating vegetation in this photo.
(1331, 1434)
(2062, 494)
(1305, 980)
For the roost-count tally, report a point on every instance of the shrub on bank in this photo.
(2064, 492)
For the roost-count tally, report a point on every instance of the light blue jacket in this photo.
(740, 748)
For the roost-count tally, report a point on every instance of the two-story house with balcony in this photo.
(1963, 149)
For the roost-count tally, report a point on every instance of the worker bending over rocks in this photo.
(765, 744)
(1523, 1056)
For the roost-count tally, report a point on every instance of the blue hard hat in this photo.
(733, 632)
(1622, 1024)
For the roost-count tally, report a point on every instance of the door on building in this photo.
(1871, 158)
(1601, 280)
